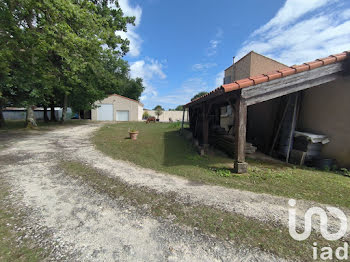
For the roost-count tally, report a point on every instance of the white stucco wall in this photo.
(121, 103)
(140, 112)
(174, 115)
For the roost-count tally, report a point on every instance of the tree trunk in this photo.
(46, 118)
(30, 118)
(2, 119)
(64, 110)
(53, 116)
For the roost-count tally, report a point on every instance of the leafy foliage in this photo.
(179, 108)
(199, 95)
(145, 115)
(158, 110)
(63, 52)
(158, 107)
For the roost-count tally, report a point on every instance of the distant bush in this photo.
(145, 115)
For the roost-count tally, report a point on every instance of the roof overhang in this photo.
(264, 87)
(290, 84)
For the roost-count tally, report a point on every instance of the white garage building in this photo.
(117, 108)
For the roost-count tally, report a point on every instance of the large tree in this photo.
(63, 52)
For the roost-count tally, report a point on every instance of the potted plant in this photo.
(133, 133)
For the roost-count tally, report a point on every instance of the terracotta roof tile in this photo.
(315, 64)
(245, 82)
(287, 71)
(259, 79)
(341, 56)
(301, 68)
(273, 75)
(230, 87)
(328, 60)
(255, 80)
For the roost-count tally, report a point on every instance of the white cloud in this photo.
(219, 79)
(297, 35)
(214, 43)
(149, 70)
(203, 67)
(134, 38)
(135, 41)
(346, 14)
(128, 10)
(290, 12)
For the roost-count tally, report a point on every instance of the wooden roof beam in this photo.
(290, 84)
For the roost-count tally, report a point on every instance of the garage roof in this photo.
(127, 99)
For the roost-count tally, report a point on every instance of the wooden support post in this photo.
(205, 125)
(240, 135)
(183, 120)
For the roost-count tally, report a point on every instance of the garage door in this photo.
(122, 115)
(105, 112)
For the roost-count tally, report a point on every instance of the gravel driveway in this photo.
(87, 226)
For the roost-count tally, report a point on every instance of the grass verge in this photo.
(10, 249)
(160, 147)
(224, 225)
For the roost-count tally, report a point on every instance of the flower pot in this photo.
(133, 135)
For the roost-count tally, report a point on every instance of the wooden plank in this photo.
(219, 99)
(297, 157)
(291, 89)
(293, 126)
(290, 84)
(279, 126)
(291, 80)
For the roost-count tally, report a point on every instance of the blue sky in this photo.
(182, 47)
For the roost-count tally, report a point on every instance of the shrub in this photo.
(145, 115)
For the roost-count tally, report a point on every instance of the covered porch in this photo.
(278, 94)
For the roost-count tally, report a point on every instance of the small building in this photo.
(117, 108)
(251, 64)
(271, 108)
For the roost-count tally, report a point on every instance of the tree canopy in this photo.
(63, 53)
(158, 107)
(199, 95)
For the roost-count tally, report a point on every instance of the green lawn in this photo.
(160, 147)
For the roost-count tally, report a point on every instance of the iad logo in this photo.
(323, 225)
(326, 252)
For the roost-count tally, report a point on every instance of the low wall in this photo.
(174, 115)
(20, 114)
